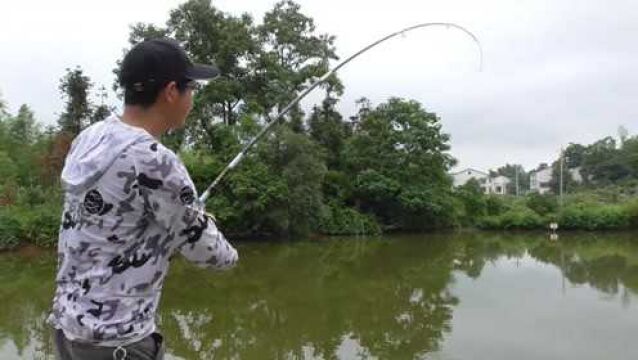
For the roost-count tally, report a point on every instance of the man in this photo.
(129, 206)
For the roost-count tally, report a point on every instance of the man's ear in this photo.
(171, 92)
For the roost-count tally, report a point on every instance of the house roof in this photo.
(541, 170)
(501, 178)
(466, 169)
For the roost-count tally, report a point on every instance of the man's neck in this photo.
(148, 119)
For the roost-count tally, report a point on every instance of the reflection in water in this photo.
(368, 297)
(390, 298)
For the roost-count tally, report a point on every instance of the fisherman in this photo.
(129, 205)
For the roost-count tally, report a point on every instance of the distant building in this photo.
(489, 185)
(498, 185)
(462, 177)
(576, 175)
(539, 179)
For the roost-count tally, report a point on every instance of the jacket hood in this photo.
(95, 149)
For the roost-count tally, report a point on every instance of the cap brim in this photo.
(202, 72)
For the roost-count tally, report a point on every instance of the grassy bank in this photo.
(32, 215)
(583, 211)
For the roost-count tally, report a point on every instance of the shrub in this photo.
(337, 220)
(594, 217)
(10, 230)
(542, 204)
(495, 205)
(517, 217)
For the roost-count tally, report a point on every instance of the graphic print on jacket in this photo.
(129, 206)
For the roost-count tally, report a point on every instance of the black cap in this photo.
(158, 61)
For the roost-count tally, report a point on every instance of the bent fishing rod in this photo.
(237, 159)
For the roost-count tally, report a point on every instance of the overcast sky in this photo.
(554, 71)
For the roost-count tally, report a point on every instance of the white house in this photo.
(576, 175)
(489, 185)
(463, 176)
(539, 179)
(497, 185)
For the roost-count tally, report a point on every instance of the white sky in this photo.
(554, 71)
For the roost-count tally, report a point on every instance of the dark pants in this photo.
(149, 348)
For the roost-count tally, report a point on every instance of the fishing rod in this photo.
(237, 159)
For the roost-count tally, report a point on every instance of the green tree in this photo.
(22, 137)
(574, 155)
(630, 154)
(75, 87)
(304, 170)
(4, 124)
(603, 162)
(398, 159)
(291, 56)
(102, 111)
(23, 129)
(327, 128)
(8, 169)
(473, 200)
(212, 36)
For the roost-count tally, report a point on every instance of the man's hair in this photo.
(148, 96)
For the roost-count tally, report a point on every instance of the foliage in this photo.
(542, 204)
(587, 217)
(33, 219)
(339, 220)
(473, 201)
(75, 87)
(495, 204)
(521, 218)
(387, 156)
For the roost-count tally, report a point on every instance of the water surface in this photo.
(444, 296)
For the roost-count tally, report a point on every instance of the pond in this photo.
(432, 296)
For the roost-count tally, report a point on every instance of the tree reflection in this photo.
(606, 263)
(306, 300)
(25, 295)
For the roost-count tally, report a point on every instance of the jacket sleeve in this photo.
(169, 197)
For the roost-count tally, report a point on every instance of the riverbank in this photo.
(35, 220)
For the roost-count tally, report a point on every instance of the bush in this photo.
(34, 218)
(542, 204)
(36, 195)
(517, 217)
(495, 205)
(10, 230)
(41, 225)
(36, 225)
(470, 202)
(594, 217)
(337, 220)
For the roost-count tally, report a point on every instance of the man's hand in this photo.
(211, 216)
